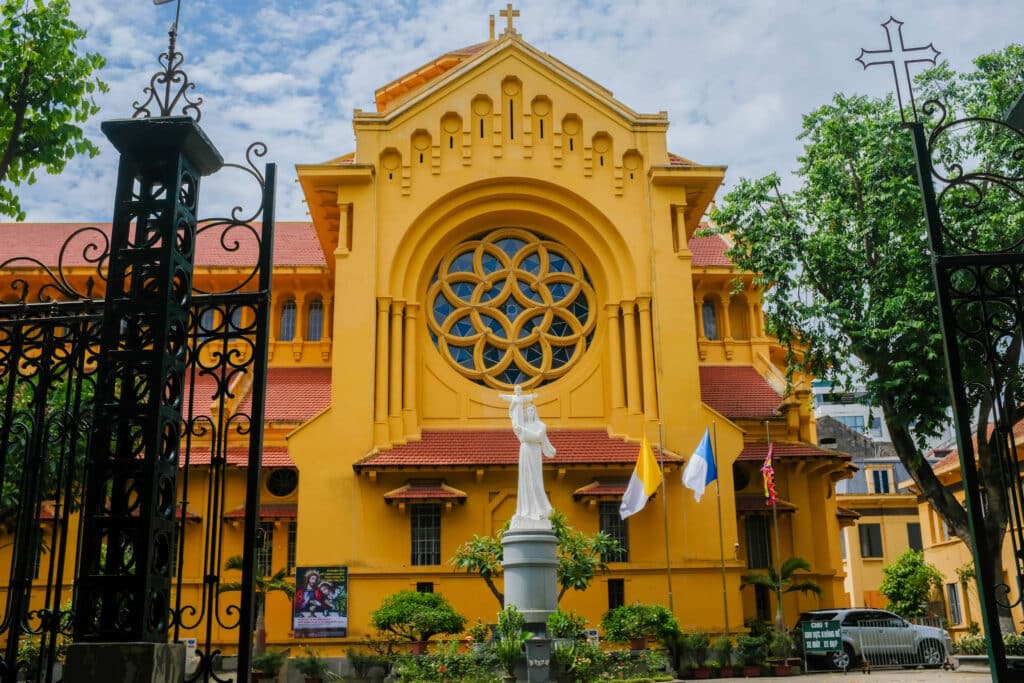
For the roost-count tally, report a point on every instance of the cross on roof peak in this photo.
(509, 14)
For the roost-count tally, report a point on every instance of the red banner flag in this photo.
(768, 471)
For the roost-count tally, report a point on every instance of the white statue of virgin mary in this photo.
(532, 506)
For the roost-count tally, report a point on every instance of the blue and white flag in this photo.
(701, 470)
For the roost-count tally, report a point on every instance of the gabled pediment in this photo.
(402, 97)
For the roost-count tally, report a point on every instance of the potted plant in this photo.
(267, 664)
(699, 644)
(634, 624)
(780, 647)
(312, 666)
(752, 652)
(511, 639)
(563, 625)
(479, 634)
(417, 617)
(721, 649)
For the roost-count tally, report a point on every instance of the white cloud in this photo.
(735, 76)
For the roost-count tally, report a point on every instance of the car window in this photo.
(852, 618)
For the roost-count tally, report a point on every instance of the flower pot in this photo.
(418, 647)
(782, 670)
(702, 672)
(728, 671)
(638, 643)
(752, 670)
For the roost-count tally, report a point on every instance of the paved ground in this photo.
(964, 674)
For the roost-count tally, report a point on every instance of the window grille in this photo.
(612, 524)
(292, 534)
(265, 549)
(710, 320)
(759, 546)
(315, 321)
(287, 331)
(425, 521)
(953, 593)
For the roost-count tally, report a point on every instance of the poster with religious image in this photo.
(321, 602)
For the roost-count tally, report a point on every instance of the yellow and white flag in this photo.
(645, 481)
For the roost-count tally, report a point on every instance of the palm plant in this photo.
(783, 581)
(279, 581)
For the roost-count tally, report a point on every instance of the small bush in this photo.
(971, 645)
(562, 624)
(417, 616)
(752, 650)
(1014, 644)
(622, 624)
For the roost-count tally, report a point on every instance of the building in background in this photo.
(503, 220)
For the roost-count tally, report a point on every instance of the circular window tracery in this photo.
(511, 307)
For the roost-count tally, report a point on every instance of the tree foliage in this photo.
(46, 89)
(580, 557)
(785, 580)
(908, 582)
(279, 582)
(417, 616)
(844, 262)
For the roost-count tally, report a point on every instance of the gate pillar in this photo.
(129, 505)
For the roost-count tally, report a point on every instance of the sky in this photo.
(734, 76)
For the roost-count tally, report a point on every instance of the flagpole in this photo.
(664, 514)
(721, 543)
(781, 616)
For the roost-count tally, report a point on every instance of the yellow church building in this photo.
(503, 220)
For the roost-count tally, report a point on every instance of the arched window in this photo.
(315, 321)
(287, 330)
(710, 319)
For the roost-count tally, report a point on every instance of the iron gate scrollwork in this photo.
(51, 327)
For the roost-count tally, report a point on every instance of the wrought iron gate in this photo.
(51, 317)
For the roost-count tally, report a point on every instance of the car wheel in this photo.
(933, 654)
(843, 659)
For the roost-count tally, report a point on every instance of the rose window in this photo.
(511, 307)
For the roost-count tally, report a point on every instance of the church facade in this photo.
(503, 220)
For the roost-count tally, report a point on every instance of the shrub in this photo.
(971, 645)
(752, 650)
(511, 636)
(562, 624)
(417, 616)
(1014, 644)
(780, 643)
(269, 663)
(629, 622)
(699, 644)
(479, 632)
(311, 664)
(722, 649)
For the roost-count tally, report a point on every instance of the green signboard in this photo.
(822, 636)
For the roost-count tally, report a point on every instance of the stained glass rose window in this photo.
(511, 307)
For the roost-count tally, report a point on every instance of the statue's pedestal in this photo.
(531, 573)
(531, 584)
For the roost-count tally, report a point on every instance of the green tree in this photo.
(782, 581)
(279, 582)
(417, 616)
(908, 582)
(46, 89)
(843, 260)
(580, 557)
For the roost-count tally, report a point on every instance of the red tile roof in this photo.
(788, 449)
(425, 491)
(602, 487)
(710, 251)
(267, 511)
(757, 503)
(476, 447)
(273, 456)
(295, 244)
(293, 394)
(676, 160)
(738, 391)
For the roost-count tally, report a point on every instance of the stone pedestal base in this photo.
(531, 573)
(125, 663)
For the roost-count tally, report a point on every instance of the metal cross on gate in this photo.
(905, 55)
